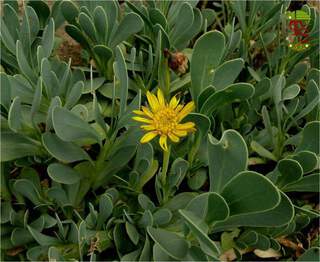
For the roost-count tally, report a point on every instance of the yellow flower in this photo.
(164, 119)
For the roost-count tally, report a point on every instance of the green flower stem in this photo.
(165, 165)
(102, 155)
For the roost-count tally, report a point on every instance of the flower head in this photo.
(164, 119)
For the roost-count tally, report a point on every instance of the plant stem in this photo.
(103, 153)
(165, 165)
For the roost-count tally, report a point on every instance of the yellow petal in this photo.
(143, 120)
(178, 108)
(186, 110)
(153, 101)
(161, 97)
(147, 112)
(173, 102)
(180, 133)
(185, 126)
(138, 112)
(148, 127)
(148, 136)
(163, 142)
(174, 138)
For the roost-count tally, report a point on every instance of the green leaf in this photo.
(227, 239)
(146, 219)
(243, 193)
(290, 92)
(120, 238)
(55, 102)
(205, 94)
(178, 171)
(101, 23)
(132, 256)
(35, 253)
(36, 102)
(120, 70)
(27, 189)
(5, 90)
(307, 159)
(310, 138)
(182, 25)
(69, 127)
(197, 180)
(20, 86)
(29, 28)
(87, 26)
(309, 183)
(156, 17)
(64, 151)
(185, 38)
(162, 216)
(180, 201)
(131, 24)
(146, 251)
(280, 215)
(226, 73)
(96, 84)
(160, 255)
(277, 84)
(42, 239)
(172, 244)
(77, 35)
(248, 238)
(227, 158)
(42, 10)
(74, 94)
(21, 236)
(262, 151)
(32, 175)
(48, 38)
(312, 254)
(112, 11)
(202, 123)
(15, 146)
(69, 10)
(104, 53)
(195, 225)
(145, 202)
(262, 87)
(313, 94)
(55, 254)
(289, 171)
(24, 64)
(7, 38)
(210, 207)
(233, 93)
(207, 53)
(297, 73)
(132, 233)
(15, 116)
(105, 209)
(63, 174)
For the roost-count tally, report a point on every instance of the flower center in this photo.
(165, 120)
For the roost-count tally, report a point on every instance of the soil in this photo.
(68, 48)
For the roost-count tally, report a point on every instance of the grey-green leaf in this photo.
(227, 158)
(69, 127)
(67, 152)
(207, 53)
(131, 24)
(63, 174)
(226, 73)
(171, 243)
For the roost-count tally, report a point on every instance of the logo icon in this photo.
(298, 37)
